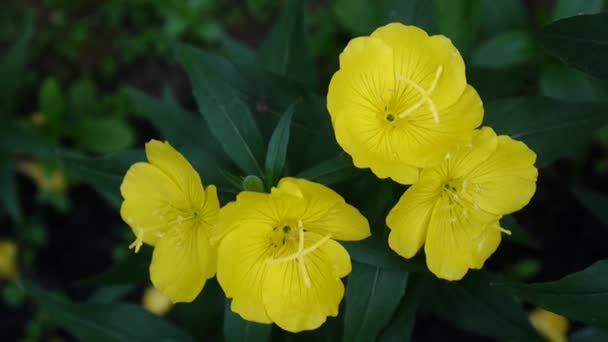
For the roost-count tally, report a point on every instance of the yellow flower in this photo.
(156, 302)
(167, 207)
(8, 259)
(400, 101)
(455, 207)
(279, 261)
(551, 326)
(46, 181)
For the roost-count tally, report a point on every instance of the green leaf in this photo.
(14, 72)
(561, 82)
(581, 296)
(21, 138)
(569, 8)
(459, 21)
(553, 129)
(228, 118)
(132, 270)
(277, 148)
(52, 104)
(103, 134)
(237, 329)
(474, 305)
(286, 50)
(519, 235)
(596, 203)
(504, 50)
(401, 327)
(203, 317)
(338, 169)
(503, 15)
(581, 42)
(9, 197)
(84, 98)
(104, 174)
(412, 12)
(359, 17)
(374, 251)
(105, 321)
(372, 296)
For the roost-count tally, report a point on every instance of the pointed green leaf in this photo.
(338, 169)
(554, 129)
(277, 148)
(581, 296)
(372, 296)
(474, 305)
(596, 203)
(401, 327)
(105, 321)
(228, 118)
(237, 329)
(580, 41)
(286, 50)
(51, 103)
(562, 82)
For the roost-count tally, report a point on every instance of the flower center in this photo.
(283, 237)
(173, 226)
(425, 98)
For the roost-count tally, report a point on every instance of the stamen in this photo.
(139, 240)
(425, 94)
(506, 231)
(301, 253)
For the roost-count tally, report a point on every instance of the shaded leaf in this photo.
(286, 50)
(9, 196)
(580, 41)
(519, 235)
(581, 296)
(104, 134)
(504, 50)
(412, 12)
(596, 203)
(553, 129)
(51, 102)
(474, 305)
(401, 327)
(338, 169)
(459, 21)
(562, 82)
(277, 148)
(133, 269)
(228, 118)
(237, 329)
(503, 15)
(372, 295)
(589, 335)
(105, 321)
(374, 251)
(569, 8)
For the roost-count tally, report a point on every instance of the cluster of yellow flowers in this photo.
(399, 105)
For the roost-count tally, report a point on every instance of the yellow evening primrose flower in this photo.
(455, 207)
(167, 207)
(279, 260)
(551, 326)
(8, 260)
(400, 101)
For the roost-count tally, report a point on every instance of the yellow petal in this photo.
(418, 57)
(242, 267)
(507, 179)
(293, 305)
(450, 249)
(181, 264)
(326, 212)
(409, 218)
(550, 325)
(149, 197)
(176, 167)
(485, 244)
(210, 215)
(360, 88)
(466, 158)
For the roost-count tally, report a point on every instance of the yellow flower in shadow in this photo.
(551, 326)
(167, 207)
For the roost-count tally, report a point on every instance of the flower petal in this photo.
(485, 244)
(418, 57)
(325, 210)
(176, 167)
(147, 209)
(507, 179)
(182, 263)
(242, 267)
(409, 218)
(450, 249)
(466, 158)
(361, 88)
(294, 306)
